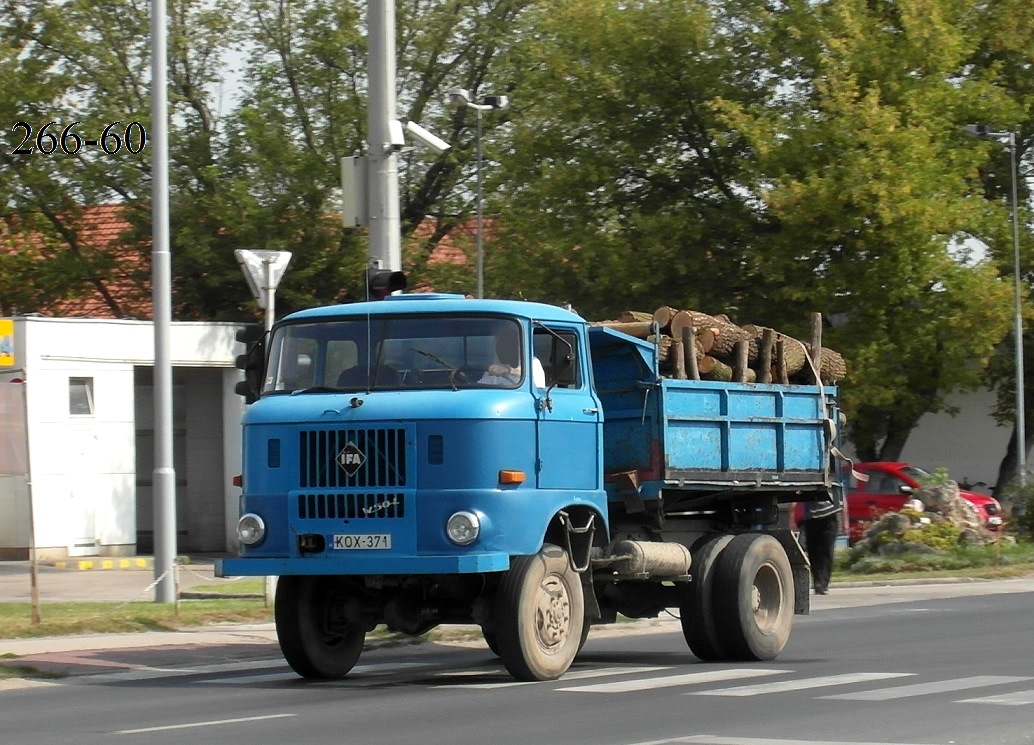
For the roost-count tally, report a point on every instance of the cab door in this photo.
(569, 414)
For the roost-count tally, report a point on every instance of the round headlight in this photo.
(463, 528)
(251, 529)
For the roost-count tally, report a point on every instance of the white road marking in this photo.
(924, 689)
(644, 684)
(759, 689)
(578, 675)
(721, 740)
(210, 723)
(1009, 699)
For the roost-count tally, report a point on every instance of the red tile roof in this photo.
(100, 236)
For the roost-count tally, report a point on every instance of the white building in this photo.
(90, 435)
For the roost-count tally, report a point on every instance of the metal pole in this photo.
(270, 291)
(383, 177)
(1021, 425)
(164, 474)
(479, 227)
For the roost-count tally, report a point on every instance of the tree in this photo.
(766, 160)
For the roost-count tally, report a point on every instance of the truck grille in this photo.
(350, 506)
(352, 458)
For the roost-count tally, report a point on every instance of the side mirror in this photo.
(905, 489)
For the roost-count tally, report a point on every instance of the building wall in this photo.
(84, 464)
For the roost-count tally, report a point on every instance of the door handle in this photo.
(590, 411)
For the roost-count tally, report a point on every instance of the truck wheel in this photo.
(315, 637)
(490, 640)
(753, 597)
(698, 612)
(539, 615)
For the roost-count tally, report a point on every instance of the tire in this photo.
(753, 596)
(315, 637)
(490, 640)
(539, 615)
(697, 613)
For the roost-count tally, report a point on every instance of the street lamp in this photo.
(460, 97)
(985, 132)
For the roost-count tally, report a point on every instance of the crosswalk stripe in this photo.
(725, 740)
(923, 689)
(1009, 699)
(759, 689)
(667, 681)
(577, 675)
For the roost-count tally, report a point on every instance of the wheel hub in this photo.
(552, 612)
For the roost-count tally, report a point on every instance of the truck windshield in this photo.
(396, 352)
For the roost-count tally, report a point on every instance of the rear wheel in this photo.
(317, 639)
(698, 611)
(540, 615)
(754, 601)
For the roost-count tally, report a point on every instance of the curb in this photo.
(83, 565)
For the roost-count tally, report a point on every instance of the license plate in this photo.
(994, 521)
(361, 541)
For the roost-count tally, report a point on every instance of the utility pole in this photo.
(384, 139)
(164, 473)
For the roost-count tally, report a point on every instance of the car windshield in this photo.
(395, 352)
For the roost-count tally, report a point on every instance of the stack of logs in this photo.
(722, 350)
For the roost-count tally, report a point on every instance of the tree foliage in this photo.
(758, 159)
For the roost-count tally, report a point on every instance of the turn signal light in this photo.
(511, 477)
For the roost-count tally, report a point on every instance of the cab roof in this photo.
(421, 303)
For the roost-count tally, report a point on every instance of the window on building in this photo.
(80, 396)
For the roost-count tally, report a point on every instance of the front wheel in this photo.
(753, 597)
(316, 637)
(540, 615)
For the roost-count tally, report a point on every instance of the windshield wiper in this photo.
(451, 370)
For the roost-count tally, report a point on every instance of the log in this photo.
(739, 371)
(629, 316)
(678, 360)
(832, 366)
(663, 315)
(723, 372)
(638, 329)
(781, 375)
(765, 357)
(689, 349)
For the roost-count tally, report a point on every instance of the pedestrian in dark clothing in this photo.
(821, 524)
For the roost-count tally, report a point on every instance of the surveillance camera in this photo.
(431, 141)
(396, 140)
(496, 102)
(458, 96)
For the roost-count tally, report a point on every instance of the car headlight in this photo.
(463, 528)
(251, 529)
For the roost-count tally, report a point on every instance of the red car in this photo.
(890, 485)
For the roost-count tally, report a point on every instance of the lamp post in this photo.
(461, 97)
(985, 132)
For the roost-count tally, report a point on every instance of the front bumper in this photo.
(362, 565)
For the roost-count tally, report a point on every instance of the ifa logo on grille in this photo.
(351, 459)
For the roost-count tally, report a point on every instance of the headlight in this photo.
(251, 529)
(463, 528)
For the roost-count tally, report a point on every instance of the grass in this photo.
(58, 619)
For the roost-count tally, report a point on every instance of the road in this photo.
(916, 666)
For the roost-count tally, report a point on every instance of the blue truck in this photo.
(431, 459)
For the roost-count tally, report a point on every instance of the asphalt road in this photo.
(945, 665)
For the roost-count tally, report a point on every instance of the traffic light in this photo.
(382, 282)
(252, 361)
